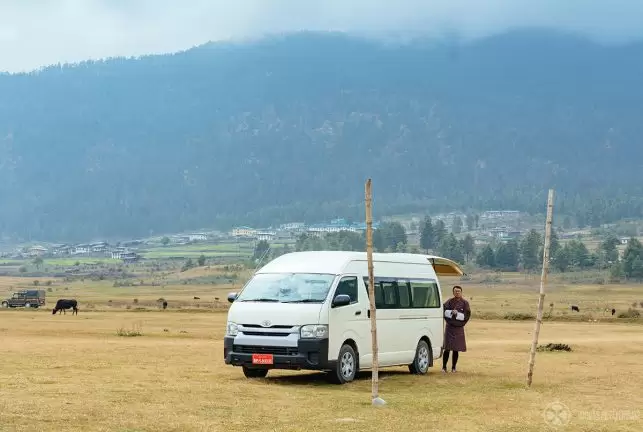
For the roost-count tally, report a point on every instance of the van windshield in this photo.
(287, 288)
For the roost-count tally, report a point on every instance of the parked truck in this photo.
(26, 298)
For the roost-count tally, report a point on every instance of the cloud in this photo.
(40, 32)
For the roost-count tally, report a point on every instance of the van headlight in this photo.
(314, 331)
(232, 329)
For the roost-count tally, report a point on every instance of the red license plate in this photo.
(262, 359)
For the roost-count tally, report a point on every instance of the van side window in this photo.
(380, 298)
(403, 294)
(424, 294)
(348, 286)
(389, 291)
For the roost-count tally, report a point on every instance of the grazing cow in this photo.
(613, 311)
(575, 308)
(197, 298)
(164, 305)
(63, 304)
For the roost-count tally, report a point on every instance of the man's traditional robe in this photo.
(454, 339)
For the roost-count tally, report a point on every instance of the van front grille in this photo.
(252, 333)
(251, 349)
(286, 327)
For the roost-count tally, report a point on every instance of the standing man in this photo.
(456, 314)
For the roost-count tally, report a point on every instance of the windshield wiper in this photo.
(260, 300)
(304, 301)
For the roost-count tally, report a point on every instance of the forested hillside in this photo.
(289, 129)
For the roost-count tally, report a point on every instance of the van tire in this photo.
(254, 373)
(5, 304)
(422, 360)
(346, 367)
(27, 305)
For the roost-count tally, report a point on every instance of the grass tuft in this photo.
(136, 330)
(630, 313)
(553, 347)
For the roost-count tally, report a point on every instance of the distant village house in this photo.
(244, 231)
(36, 251)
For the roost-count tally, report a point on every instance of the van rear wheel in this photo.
(346, 368)
(420, 365)
(254, 373)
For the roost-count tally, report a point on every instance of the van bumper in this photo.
(310, 354)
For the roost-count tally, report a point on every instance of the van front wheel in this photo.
(420, 365)
(254, 373)
(346, 368)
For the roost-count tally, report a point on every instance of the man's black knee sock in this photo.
(445, 359)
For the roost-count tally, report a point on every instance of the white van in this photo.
(310, 310)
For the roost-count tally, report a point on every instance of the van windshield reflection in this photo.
(287, 288)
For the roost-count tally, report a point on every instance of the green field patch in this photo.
(11, 263)
(162, 254)
(68, 262)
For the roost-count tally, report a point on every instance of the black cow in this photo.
(613, 311)
(575, 308)
(164, 305)
(63, 304)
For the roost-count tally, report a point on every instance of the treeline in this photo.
(524, 254)
(388, 237)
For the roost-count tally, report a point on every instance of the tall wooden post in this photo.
(543, 281)
(371, 293)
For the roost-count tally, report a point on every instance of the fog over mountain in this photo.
(38, 33)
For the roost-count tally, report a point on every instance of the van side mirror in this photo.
(341, 300)
(232, 297)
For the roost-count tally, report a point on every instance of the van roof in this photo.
(334, 262)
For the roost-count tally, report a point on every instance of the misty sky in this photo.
(34, 33)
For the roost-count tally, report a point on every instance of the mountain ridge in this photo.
(289, 128)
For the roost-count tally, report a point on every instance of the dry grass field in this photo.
(74, 373)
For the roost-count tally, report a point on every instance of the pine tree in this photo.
(530, 247)
(616, 272)
(561, 259)
(456, 228)
(471, 221)
(451, 248)
(468, 247)
(426, 235)
(508, 256)
(439, 232)
(633, 251)
(486, 258)
(637, 269)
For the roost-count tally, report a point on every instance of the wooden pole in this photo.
(371, 291)
(543, 281)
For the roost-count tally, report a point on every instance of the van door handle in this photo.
(368, 313)
(358, 313)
